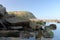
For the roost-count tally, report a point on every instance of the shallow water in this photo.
(56, 32)
(56, 35)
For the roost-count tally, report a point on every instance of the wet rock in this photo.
(48, 34)
(53, 26)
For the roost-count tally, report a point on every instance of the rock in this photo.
(53, 26)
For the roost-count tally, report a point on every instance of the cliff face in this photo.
(23, 14)
(18, 16)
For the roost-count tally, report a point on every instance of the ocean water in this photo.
(56, 34)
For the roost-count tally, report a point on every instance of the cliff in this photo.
(19, 16)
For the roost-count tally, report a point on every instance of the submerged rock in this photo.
(48, 34)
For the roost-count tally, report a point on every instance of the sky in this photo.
(42, 9)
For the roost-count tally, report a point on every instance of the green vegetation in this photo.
(41, 22)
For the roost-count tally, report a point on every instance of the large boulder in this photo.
(53, 26)
(2, 10)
